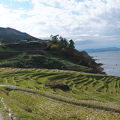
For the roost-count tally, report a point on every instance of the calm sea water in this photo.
(110, 61)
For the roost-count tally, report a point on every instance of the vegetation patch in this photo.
(38, 94)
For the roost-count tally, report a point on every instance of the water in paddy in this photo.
(110, 61)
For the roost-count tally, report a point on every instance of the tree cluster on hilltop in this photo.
(58, 42)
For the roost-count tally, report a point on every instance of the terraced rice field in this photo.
(42, 94)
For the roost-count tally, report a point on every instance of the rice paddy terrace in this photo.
(42, 94)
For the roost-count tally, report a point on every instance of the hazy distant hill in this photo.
(103, 49)
(11, 35)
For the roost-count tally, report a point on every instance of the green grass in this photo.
(27, 56)
(89, 97)
(25, 60)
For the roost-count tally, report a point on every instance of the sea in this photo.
(110, 61)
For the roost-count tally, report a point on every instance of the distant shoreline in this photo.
(110, 61)
(102, 50)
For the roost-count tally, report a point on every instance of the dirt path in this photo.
(1, 118)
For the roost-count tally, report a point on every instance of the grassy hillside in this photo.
(10, 35)
(44, 94)
(38, 55)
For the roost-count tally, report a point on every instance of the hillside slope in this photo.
(39, 55)
(58, 94)
(20, 50)
(10, 35)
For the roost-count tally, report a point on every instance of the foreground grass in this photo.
(40, 97)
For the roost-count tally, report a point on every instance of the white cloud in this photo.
(66, 17)
(21, 0)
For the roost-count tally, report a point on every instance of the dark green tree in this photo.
(63, 42)
(54, 39)
(71, 44)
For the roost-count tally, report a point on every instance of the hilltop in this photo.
(37, 54)
(21, 50)
(10, 35)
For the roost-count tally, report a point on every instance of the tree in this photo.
(54, 39)
(71, 44)
(63, 42)
(60, 42)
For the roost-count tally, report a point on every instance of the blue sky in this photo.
(93, 23)
(14, 4)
